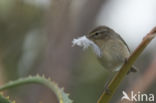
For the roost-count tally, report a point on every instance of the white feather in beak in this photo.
(84, 42)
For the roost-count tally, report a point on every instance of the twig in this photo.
(115, 82)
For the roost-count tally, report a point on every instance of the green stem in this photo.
(5, 99)
(37, 79)
(115, 82)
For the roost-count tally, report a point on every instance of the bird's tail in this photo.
(133, 69)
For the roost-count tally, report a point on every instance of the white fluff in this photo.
(84, 42)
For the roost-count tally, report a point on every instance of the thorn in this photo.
(49, 78)
(13, 101)
(61, 101)
(37, 75)
(43, 76)
(7, 97)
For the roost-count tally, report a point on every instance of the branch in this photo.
(144, 81)
(115, 82)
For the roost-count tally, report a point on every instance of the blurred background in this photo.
(36, 38)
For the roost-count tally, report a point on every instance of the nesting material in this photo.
(84, 42)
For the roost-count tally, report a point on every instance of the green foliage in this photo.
(5, 99)
(59, 92)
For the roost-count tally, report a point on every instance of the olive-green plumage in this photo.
(114, 50)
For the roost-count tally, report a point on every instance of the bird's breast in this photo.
(114, 53)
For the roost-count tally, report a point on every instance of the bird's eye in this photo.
(96, 33)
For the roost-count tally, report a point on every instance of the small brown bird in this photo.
(111, 50)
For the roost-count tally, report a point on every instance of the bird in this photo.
(110, 48)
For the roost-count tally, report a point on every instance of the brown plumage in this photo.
(114, 50)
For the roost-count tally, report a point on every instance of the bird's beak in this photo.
(88, 36)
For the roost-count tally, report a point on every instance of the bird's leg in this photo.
(133, 68)
(126, 60)
(107, 90)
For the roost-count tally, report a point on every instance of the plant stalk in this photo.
(119, 76)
